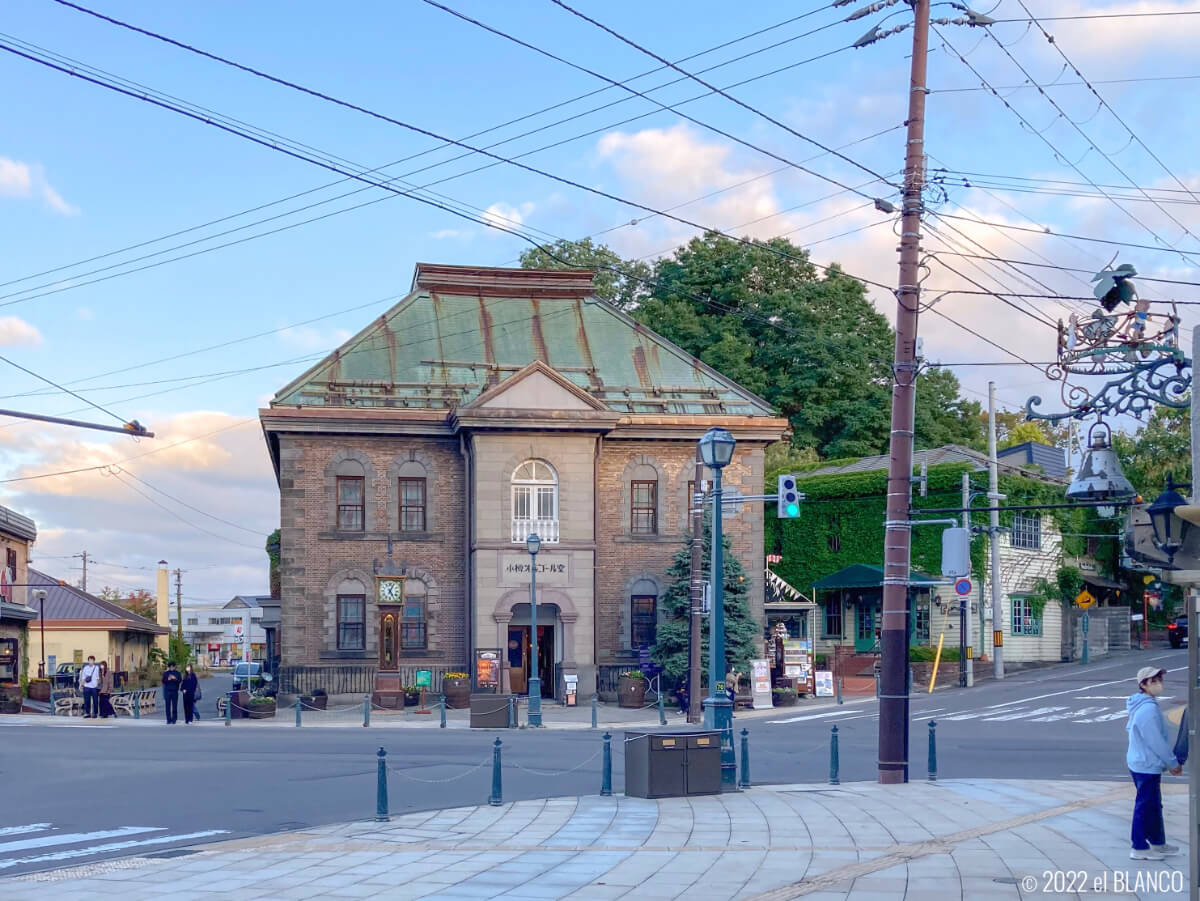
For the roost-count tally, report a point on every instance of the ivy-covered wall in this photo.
(841, 521)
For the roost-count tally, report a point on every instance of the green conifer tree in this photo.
(743, 635)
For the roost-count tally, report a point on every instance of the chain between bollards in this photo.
(442, 724)
(297, 706)
(381, 794)
(606, 769)
(932, 751)
(366, 710)
(745, 758)
(497, 797)
(833, 757)
(595, 705)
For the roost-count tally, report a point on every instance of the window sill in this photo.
(345, 655)
(380, 536)
(628, 538)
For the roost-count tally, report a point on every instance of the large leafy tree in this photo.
(809, 342)
(742, 633)
(1163, 445)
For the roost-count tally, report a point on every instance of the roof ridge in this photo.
(109, 606)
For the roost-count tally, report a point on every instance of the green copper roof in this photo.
(437, 350)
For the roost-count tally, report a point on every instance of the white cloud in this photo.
(25, 180)
(85, 313)
(305, 337)
(443, 234)
(16, 332)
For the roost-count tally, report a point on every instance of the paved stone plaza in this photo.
(970, 839)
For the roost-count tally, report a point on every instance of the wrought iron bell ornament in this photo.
(1100, 477)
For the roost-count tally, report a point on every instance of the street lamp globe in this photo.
(1169, 531)
(533, 544)
(716, 448)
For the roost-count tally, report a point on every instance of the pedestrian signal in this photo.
(788, 498)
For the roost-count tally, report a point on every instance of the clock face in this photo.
(391, 590)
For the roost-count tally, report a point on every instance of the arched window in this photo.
(535, 501)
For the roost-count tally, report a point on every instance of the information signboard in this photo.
(487, 669)
(824, 683)
(760, 683)
(797, 663)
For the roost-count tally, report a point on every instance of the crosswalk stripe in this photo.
(112, 846)
(1023, 714)
(73, 838)
(813, 716)
(19, 830)
(1119, 715)
(1071, 714)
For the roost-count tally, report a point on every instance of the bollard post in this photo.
(932, 751)
(839, 689)
(381, 798)
(136, 704)
(442, 724)
(833, 757)
(497, 797)
(745, 758)
(297, 711)
(662, 714)
(512, 711)
(606, 770)
(366, 710)
(229, 709)
(595, 704)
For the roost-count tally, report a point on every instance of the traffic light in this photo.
(788, 498)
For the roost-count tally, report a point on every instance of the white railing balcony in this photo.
(545, 529)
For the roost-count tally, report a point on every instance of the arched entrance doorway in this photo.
(519, 648)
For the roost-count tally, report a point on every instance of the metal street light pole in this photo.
(893, 688)
(716, 449)
(533, 544)
(40, 594)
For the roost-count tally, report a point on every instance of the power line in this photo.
(1065, 84)
(1049, 231)
(185, 521)
(1169, 12)
(1140, 278)
(65, 390)
(1053, 181)
(102, 73)
(664, 106)
(227, 522)
(701, 81)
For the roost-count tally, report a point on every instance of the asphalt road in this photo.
(148, 789)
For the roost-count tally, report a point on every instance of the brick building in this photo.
(488, 404)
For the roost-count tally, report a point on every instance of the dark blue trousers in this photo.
(1148, 826)
(171, 700)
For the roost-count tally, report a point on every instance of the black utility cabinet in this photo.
(672, 764)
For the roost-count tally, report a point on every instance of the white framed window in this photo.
(535, 501)
(1027, 531)
(1023, 620)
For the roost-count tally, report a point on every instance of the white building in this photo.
(218, 632)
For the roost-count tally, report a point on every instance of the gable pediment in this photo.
(537, 387)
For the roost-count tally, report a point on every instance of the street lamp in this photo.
(40, 594)
(533, 544)
(1168, 535)
(716, 450)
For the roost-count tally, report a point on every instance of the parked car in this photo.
(66, 675)
(247, 676)
(1177, 631)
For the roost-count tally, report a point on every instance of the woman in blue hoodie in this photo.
(1148, 756)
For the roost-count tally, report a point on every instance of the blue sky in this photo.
(84, 172)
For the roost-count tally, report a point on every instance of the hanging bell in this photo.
(1100, 477)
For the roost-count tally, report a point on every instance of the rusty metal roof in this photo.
(466, 329)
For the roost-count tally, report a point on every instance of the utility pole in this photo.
(696, 601)
(893, 682)
(965, 674)
(179, 608)
(994, 498)
(83, 585)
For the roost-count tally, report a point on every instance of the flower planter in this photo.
(412, 698)
(260, 711)
(784, 698)
(631, 693)
(39, 690)
(457, 692)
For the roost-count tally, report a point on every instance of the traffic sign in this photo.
(1085, 599)
(962, 587)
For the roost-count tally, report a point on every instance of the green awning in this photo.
(862, 575)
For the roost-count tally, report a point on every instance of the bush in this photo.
(261, 702)
(633, 674)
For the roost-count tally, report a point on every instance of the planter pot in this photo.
(788, 700)
(260, 713)
(457, 692)
(412, 698)
(631, 692)
(317, 702)
(39, 691)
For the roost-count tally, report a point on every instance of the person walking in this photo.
(191, 692)
(106, 690)
(171, 679)
(89, 683)
(1149, 755)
